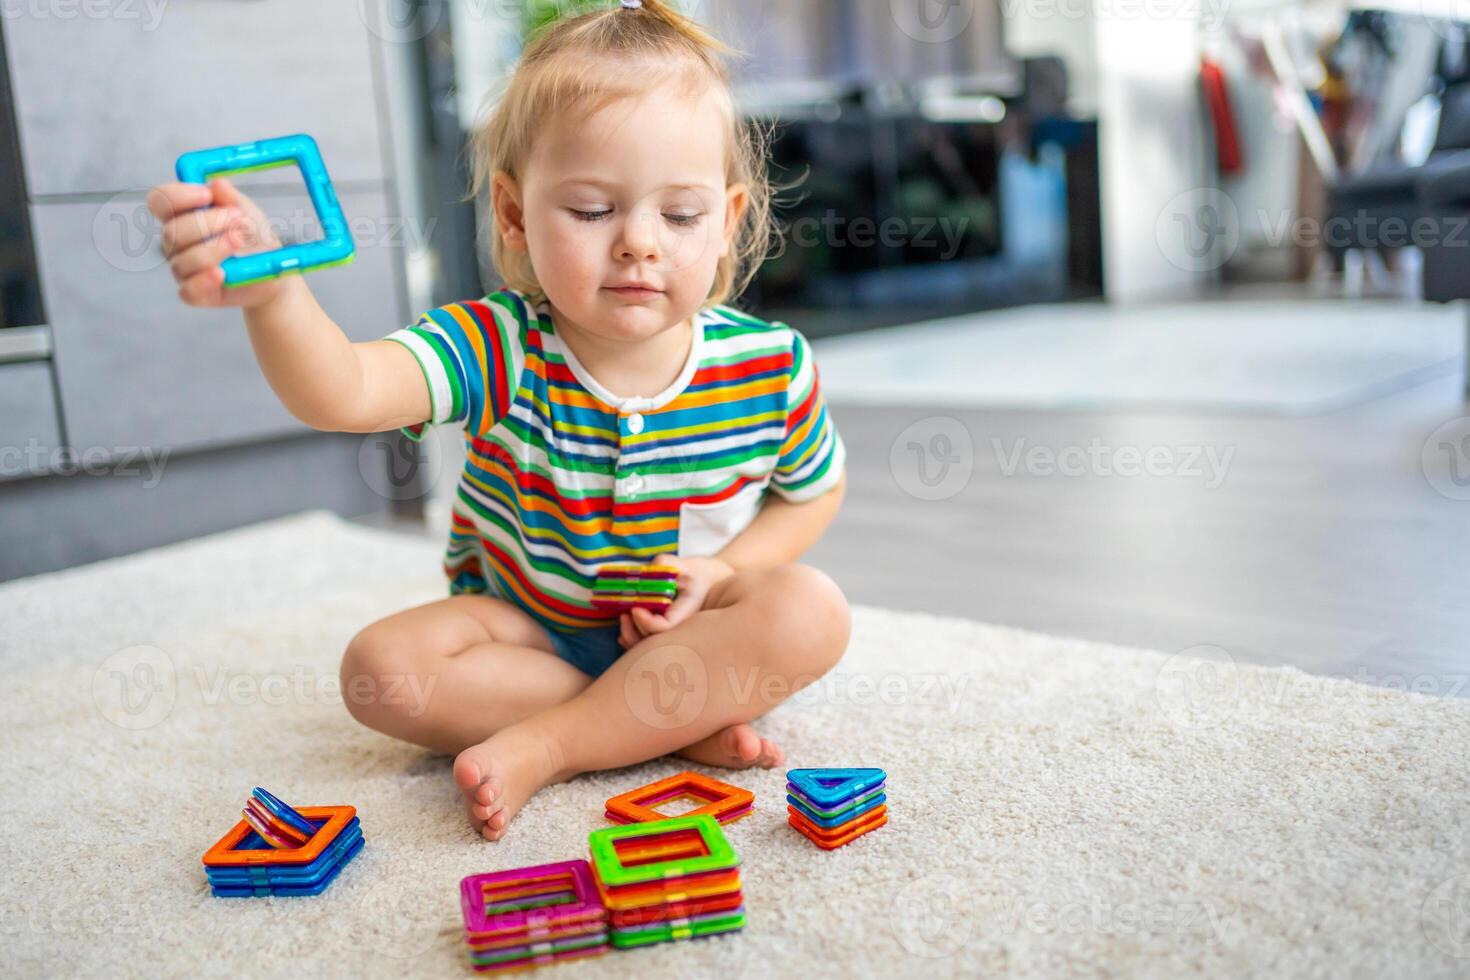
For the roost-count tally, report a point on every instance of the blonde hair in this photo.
(564, 67)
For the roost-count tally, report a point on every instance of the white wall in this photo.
(1154, 171)
(1135, 68)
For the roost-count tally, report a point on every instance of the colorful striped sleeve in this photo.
(461, 350)
(812, 454)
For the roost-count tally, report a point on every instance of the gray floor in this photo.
(1325, 546)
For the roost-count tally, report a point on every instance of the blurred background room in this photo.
(1143, 322)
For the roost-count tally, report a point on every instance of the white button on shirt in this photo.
(635, 423)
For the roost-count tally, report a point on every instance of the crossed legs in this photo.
(478, 677)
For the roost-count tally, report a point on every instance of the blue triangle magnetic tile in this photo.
(829, 787)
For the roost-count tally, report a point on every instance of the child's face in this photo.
(636, 192)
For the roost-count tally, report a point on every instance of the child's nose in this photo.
(640, 238)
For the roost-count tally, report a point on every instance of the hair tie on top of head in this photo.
(632, 4)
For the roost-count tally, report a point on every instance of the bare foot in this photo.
(736, 747)
(500, 774)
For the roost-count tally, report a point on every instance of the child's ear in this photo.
(737, 200)
(510, 215)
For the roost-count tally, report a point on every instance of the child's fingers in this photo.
(251, 295)
(207, 288)
(167, 201)
(649, 622)
(187, 230)
(629, 635)
(204, 288)
(226, 194)
(205, 255)
(685, 604)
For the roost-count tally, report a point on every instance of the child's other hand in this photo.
(203, 226)
(696, 577)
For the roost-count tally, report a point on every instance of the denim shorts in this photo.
(589, 650)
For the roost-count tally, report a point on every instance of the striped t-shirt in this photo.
(563, 476)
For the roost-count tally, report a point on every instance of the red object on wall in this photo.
(1217, 98)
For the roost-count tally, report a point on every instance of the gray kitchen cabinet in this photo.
(136, 367)
(29, 431)
(107, 103)
(106, 97)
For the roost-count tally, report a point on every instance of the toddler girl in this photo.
(614, 409)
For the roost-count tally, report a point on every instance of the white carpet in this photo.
(1288, 357)
(1059, 808)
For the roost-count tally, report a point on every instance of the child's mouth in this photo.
(634, 292)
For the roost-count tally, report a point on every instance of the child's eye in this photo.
(682, 220)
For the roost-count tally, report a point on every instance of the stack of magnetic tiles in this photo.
(623, 587)
(531, 917)
(279, 850)
(832, 807)
(667, 880)
(647, 883)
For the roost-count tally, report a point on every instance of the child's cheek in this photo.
(572, 255)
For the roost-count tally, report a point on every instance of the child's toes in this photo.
(744, 743)
(487, 792)
(494, 828)
(467, 773)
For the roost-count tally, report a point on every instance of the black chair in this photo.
(1442, 192)
(1395, 205)
(1375, 210)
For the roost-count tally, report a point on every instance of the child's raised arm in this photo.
(322, 377)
